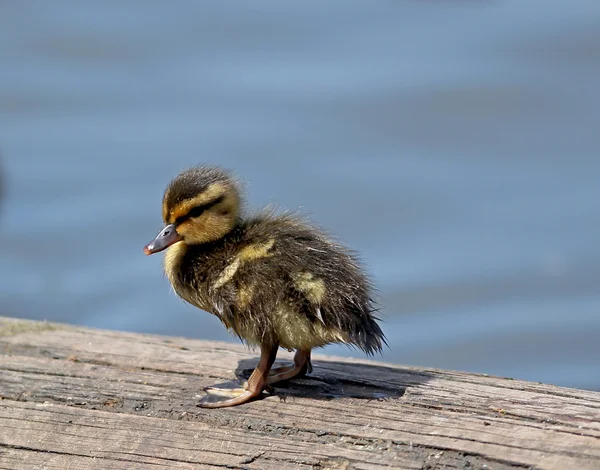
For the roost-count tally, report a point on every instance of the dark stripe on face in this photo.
(198, 210)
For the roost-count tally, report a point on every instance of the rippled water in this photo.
(454, 144)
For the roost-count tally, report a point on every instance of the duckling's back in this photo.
(276, 278)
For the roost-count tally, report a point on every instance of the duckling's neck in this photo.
(186, 264)
(176, 254)
(173, 257)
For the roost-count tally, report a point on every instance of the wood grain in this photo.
(77, 398)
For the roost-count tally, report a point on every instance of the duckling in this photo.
(273, 280)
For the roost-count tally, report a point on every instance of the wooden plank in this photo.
(82, 398)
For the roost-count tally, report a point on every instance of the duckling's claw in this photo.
(224, 392)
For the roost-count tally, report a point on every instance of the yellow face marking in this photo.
(312, 287)
(248, 253)
(214, 191)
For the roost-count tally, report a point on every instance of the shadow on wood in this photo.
(320, 385)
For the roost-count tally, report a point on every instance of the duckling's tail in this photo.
(367, 334)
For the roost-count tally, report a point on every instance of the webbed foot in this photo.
(251, 390)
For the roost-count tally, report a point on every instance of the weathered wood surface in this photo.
(76, 398)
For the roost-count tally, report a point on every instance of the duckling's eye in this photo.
(198, 210)
(194, 212)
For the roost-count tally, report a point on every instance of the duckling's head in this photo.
(200, 205)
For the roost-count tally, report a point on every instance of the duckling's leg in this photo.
(256, 383)
(302, 365)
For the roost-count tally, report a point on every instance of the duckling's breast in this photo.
(189, 273)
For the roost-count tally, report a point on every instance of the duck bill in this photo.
(165, 238)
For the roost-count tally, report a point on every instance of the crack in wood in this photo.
(70, 454)
(520, 417)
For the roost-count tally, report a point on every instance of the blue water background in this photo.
(454, 144)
